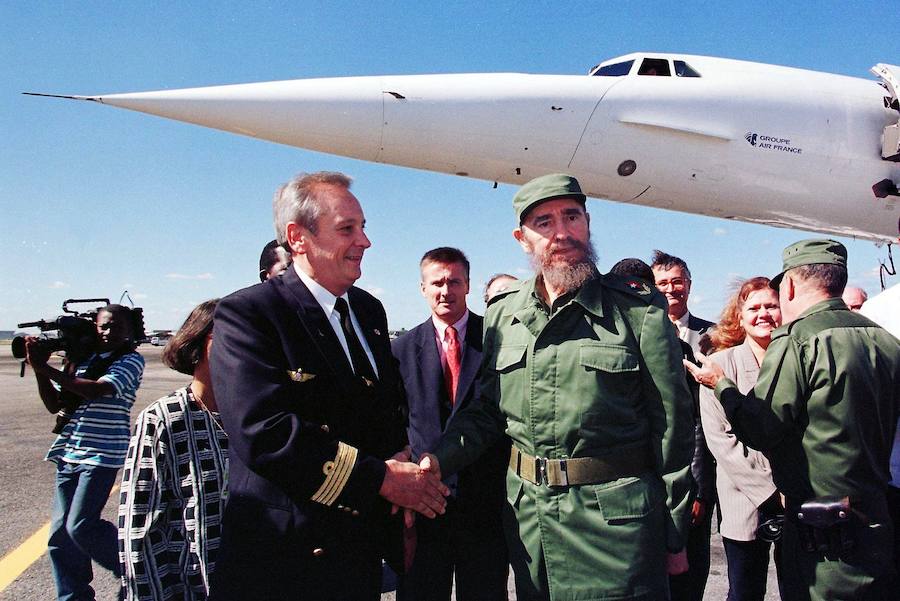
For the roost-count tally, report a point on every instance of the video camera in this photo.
(77, 331)
(77, 336)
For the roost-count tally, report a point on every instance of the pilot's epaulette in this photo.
(637, 286)
(514, 287)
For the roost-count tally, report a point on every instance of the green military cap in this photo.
(810, 252)
(546, 187)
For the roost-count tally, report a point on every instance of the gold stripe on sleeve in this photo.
(337, 473)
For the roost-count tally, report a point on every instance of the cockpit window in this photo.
(655, 66)
(648, 66)
(616, 70)
(682, 69)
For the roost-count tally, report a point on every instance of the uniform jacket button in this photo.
(318, 552)
(325, 428)
(354, 513)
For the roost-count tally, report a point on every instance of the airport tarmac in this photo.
(27, 482)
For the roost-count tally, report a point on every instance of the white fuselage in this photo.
(745, 141)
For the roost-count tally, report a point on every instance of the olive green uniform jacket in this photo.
(824, 411)
(601, 374)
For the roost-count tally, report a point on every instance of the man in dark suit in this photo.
(311, 402)
(440, 364)
(673, 279)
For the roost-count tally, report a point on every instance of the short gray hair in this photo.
(666, 261)
(298, 200)
(823, 276)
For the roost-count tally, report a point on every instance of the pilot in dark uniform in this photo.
(308, 394)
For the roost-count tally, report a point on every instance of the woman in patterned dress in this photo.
(175, 479)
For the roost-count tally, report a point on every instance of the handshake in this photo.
(414, 487)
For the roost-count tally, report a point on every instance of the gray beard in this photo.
(567, 277)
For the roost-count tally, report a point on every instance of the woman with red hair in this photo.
(743, 476)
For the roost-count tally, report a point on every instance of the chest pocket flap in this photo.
(612, 358)
(509, 356)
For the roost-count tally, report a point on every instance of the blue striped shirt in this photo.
(99, 432)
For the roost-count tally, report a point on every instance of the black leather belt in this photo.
(579, 470)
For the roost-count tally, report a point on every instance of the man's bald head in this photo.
(854, 297)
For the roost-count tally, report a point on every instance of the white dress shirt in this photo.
(327, 300)
(682, 324)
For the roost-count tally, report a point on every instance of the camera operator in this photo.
(90, 448)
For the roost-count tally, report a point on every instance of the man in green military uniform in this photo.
(584, 373)
(824, 411)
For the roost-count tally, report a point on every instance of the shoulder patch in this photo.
(639, 286)
(632, 285)
(514, 287)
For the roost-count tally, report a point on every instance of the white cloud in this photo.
(720, 231)
(57, 284)
(868, 279)
(183, 310)
(872, 274)
(182, 276)
(375, 291)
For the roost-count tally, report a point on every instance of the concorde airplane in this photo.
(725, 138)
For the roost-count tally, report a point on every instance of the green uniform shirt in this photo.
(824, 411)
(600, 374)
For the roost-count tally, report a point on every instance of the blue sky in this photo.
(96, 200)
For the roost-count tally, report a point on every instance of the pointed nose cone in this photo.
(505, 127)
(336, 115)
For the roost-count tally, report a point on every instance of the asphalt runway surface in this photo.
(27, 481)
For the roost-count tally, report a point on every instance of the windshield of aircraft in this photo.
(655, 66)
(682, 69)
(616, 70)
(648, 66)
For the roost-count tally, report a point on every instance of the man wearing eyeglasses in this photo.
(673, 280)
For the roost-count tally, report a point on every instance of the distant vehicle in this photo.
(159, 340)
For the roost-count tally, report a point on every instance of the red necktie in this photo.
(453, 354)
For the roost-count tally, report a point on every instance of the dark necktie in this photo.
(453, 355)
(360, 361)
